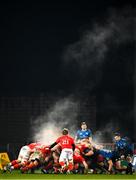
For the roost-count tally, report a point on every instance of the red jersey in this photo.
(44, 150)
(65, 141)
(81, 148)
(78, 158)
(34, 145)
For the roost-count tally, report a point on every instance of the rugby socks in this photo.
(70, 166)
(13, 163)
(62, 164)
(16, 166)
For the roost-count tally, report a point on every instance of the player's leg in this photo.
(33, 164)
(17, 161)
(110, 165)
(63, 160)
(33, 161)
(70, 159)
(47, 167)
(23, 158)
(15, 164)
(24, 155)
(55, 156)
(85, 166)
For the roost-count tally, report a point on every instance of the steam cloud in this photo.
(91, 53)
(88, 54)
(63, 114)
(95, 43)
(105, 134)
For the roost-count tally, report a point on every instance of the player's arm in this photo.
(77, 136)
(90, 135)
(89, 153)
(55, 143)
(52, 145)
(90, 139)
(73, 146)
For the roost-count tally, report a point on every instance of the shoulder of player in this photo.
(58, 139)
(89, 130)
(62, 137)
(70, 137)
(123, 139)
(78, 131)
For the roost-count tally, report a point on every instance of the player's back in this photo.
(65, 141)
(106, 153)
(122, 143)
(34, 145)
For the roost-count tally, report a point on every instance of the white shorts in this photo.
(134, 161)
(24, 154)
(66, 155)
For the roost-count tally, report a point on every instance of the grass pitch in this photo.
(18, 175)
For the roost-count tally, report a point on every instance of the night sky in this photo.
(34, 42)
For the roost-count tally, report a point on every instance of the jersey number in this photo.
(65, 142)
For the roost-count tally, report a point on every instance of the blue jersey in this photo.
(122, 144)
(107, 154)
(123, 147)
(83, 134)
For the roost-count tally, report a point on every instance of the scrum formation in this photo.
(75, 155)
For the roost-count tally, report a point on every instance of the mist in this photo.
(105, 134)
(84, 60)
(95, 42)
(85, 63)
(101, 62)
(62, 114)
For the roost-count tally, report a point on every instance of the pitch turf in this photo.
(18, 175)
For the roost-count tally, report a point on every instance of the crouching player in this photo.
(37, 159)
(79, 160)
(124, 151)
(105, 160)
(67, 145)
(87, 151)
(23, 157)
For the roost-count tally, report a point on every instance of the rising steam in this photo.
(48, 127)
(95, 43)
(88, 55)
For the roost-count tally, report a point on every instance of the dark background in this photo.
(33, 37)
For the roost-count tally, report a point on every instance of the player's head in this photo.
(117, 136)
(65, 131)
(83, 125)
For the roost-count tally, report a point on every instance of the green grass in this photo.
(18, 175)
